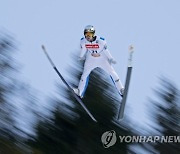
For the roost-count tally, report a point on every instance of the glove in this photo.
(81, 58)
(112, 61)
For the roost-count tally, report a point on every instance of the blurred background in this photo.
(37, 112)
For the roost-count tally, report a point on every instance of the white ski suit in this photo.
(96, 55)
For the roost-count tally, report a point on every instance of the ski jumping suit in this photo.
(96, 55)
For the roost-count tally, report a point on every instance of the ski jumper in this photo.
(96, 55)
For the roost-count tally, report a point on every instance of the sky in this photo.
(152, 26)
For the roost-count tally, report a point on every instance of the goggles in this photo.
(89, 34)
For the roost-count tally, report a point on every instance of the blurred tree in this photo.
(9, 87)
(70, 130)
(6, 89)
(168, 116)
(6, 82)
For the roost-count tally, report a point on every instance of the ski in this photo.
(68, 86)
(127, 82)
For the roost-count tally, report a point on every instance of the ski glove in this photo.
(81, 58)
(112, 61)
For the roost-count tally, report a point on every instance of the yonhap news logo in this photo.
(108, 138)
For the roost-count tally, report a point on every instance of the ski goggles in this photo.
(89, 34)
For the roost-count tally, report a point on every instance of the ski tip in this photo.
(43, 47)
(131, 48)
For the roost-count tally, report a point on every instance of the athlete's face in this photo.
(89, 36)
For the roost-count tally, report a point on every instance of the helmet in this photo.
(89, 28)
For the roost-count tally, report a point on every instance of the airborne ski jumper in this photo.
(95, 53)
(93, 49)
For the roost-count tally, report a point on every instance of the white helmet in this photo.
(89, 28)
